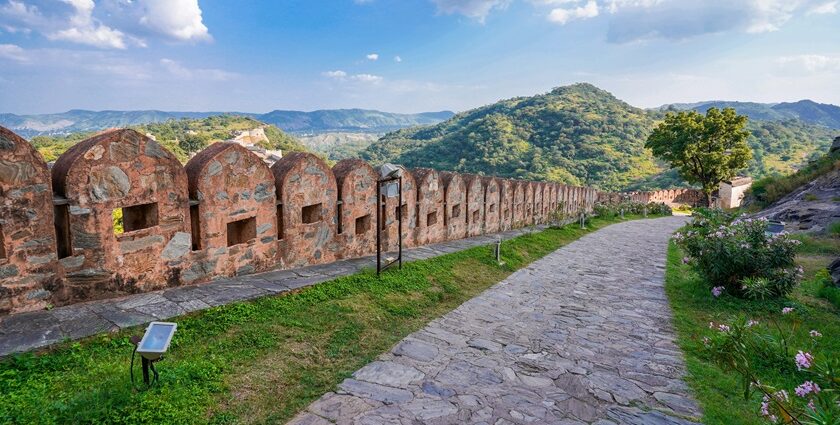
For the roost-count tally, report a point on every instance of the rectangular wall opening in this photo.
(507, 213)
(279, 222)
(417, 215)
(195, 228)
(241, 231)
(340, 221)
(431, 218)
(2, 244)
(476, 216)
(363, 224)
(62, 231)
(311, 213)
(492, 208)
(401, 212)
(456, 210)
(135, 217)
(383, 213)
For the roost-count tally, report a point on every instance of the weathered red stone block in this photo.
(475, 204)
(518, 203)
(528, 216)
(232, 212)
(455, 205)
(357, 207)
(430, 207)
(538, 202)
(306, 196)
(391, 210)
(548, 200)
(492, 205)
(505, 204)
(28, 262)
(121, 173)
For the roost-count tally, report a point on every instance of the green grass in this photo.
(264, 360)
(718, 392)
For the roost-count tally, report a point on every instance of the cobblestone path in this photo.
(581, 336)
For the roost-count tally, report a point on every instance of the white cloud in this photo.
(338, 74)
(366, 78)
(372, 56)
(178, 70)
(562, 15)
(811, 62)
(13, 52)
(85, 29)
(397, 59)
(826, 8)
(475, 9)
(178, 19)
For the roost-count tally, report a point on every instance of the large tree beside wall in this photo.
(705, 149)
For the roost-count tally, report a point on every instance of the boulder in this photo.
(835, 146)
(834, 271)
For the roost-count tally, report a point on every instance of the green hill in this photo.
(182, 136)
(576, 134)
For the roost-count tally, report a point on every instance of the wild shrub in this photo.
(739, 256)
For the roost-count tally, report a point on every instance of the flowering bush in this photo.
(737, 346)
(740, 256)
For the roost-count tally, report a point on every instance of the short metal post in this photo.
(645, 212)
(622, 213)
(499, 250)
(146, 363)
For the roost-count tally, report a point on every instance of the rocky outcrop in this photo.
(811, 208)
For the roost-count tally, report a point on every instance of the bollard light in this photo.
(151, 347)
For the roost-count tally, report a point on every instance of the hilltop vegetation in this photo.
(182, 137)
(577, 134)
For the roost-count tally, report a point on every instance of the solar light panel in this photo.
(156, 340)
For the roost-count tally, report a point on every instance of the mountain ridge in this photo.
(318, 121)
(805, 110)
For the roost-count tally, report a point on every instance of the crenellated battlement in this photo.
(118, 214)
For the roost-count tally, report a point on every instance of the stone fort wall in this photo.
(118, 214)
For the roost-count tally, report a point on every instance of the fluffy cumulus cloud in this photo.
(339, 75)
(178, 19)
(107, 24)
(562, 15)
(372, 56)
(13, 52)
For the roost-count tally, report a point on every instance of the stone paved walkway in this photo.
(28, 331)
(582, 336)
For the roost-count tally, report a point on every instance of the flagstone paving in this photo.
(583, 335)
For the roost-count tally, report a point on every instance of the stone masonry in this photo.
(581, 336)
(118, 215)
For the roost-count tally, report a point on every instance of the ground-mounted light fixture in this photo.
(775, 227)
(151, 347)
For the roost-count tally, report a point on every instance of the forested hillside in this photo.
(182, 137)
(577, 134)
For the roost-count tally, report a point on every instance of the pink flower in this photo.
(723, 328)
(803, 360)
(717, 291)
(685, 260)
(787, 310)
(815, 334)
(752, 323)
(811, 404)
(806, 388)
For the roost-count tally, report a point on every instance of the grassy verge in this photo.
(694, 307)
(264, 360)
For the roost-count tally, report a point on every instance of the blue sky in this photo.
(408, 55)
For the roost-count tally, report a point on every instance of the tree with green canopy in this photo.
(706, 150)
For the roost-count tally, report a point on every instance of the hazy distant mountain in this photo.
(805, 110)
(352, 120)
(349, 120)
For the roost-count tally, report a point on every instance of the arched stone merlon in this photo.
(550, 195)
(492, 205)
(455, 205)
(391, 232)
(306, 203)
(475, 204)
(233, 213)
(505, 204)
(528, 217)
(430, 200)
(121, 172)
(538, 202)
(518, 203)
(29, 273)
(356, 210)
